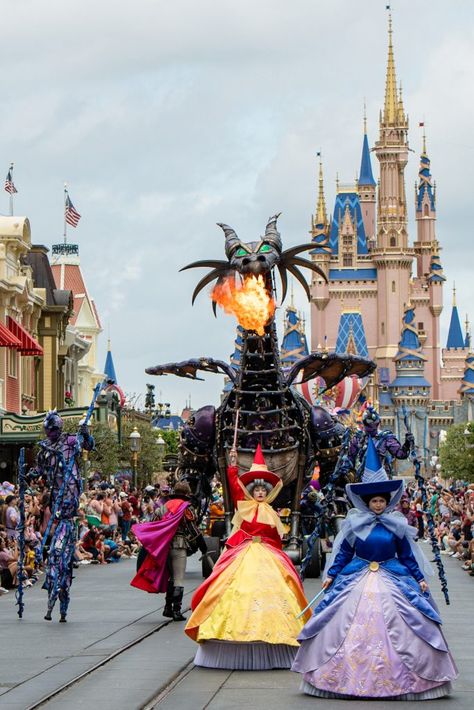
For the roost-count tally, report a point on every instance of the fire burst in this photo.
(249, 301)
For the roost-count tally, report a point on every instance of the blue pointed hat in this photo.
(374, 478)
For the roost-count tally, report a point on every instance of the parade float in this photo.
(263, 404)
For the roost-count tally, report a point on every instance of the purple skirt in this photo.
(370, 642)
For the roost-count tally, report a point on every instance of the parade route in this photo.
(117, 651)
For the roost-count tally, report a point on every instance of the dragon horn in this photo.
(231, 239)
(272, 235)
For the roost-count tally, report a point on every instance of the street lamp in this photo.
(161, 446)
(135, 446)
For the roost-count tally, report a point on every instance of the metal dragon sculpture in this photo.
(261, 406)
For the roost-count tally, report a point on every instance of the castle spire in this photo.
(321, 215)
(391, 107)
(366, 176)
(109, 368)
(455, 336)
(425, 189)
(294, 345)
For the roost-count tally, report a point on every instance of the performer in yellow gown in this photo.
(245, 614)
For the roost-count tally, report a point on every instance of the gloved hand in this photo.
(84, 430)
(409, 439)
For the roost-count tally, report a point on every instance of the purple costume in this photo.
(375, 634)
(53, 461)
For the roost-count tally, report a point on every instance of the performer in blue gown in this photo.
(377, 632)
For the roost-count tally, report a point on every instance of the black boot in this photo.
(63, 618)
(168, 610)
(177, 599)
(48, 616)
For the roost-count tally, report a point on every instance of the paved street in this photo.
(109, 617)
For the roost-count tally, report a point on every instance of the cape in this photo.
(156, 537)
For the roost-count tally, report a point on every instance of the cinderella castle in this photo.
(384, 295)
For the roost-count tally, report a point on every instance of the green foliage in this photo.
(106, 457)
(150, 457)
(456, 454)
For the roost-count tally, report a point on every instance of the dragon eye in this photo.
(265, 248)
(241, 252)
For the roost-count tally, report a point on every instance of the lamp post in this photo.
(135, 446)
(161, 446)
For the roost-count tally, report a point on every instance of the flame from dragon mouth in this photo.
(249, 301)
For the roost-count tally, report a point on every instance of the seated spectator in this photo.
(112, 552)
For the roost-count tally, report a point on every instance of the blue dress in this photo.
(375, 634)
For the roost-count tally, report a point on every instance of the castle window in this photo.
(421, 326)
(382, 328)
(393, 241)
(393, 286)
(347, 241)
(426, 211)
(347, 259)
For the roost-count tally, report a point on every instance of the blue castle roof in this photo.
(351, 200)
(425, 186)
(294, 345)
(455, 336)
(436, 270)
(467, 386)
(351, 335)
(409, 347)
(365, 176)
(109, 369)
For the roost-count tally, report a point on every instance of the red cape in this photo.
(156, 538)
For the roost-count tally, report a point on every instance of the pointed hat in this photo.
(374, 478)
(259, 471)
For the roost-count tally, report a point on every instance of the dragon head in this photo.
(258, 258)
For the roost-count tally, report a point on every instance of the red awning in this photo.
(7, 339)
(28, 345)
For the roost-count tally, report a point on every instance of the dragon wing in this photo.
(189, 368)
(332, 367)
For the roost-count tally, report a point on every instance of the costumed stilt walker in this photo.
(58, 465)
(377, 632)
(245, 614)
(167, 541)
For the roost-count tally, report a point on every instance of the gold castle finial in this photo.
(391, 108)
(424, 139)
(321, 216)
(365, 117)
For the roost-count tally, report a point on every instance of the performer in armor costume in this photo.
(387, 445)
(377, 632)
(167, 541)
(53, 461)
(245, 614)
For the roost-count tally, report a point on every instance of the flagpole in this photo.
(11, 191)
(65, 223)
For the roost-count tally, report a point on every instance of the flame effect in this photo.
(249, 301)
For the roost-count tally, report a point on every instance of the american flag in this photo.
(9, 186)
(71, 215)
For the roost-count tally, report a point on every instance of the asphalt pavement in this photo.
(131, 657)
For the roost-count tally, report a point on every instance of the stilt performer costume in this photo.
(57, 464)
(376, 634)
(245, 614)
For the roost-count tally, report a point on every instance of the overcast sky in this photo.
(167, 116)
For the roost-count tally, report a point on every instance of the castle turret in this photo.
(109, 368)
(410, 390)
(425, 212)
(367, 187)
(321, 254)
(294, 345)
(392, 256)
(454, 355)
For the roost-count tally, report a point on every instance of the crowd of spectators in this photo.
(452, 508)
(104, 536)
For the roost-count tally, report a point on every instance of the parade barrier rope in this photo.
(427, 510)
(21, 533)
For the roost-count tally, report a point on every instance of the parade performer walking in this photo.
(245, 614)
(167, 540)
(387, 445)
(58, 465)
(377, 632)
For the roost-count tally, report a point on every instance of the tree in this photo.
(106, 456)
(150, 457)
(171, 438)
(457, 452)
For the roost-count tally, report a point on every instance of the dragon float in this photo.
(261, 404)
